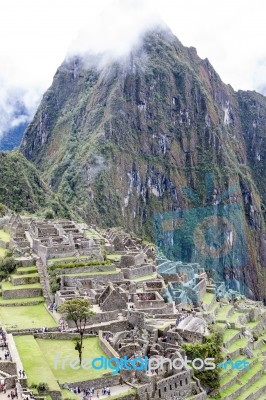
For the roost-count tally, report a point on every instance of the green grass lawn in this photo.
(65, 348)
(113, 257)
(23, 317)
(35, 364)
(4, 236)
(2, 252)
(121, 395)
(207, 298)
(67, 394)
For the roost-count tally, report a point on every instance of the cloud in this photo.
(35, 37)
(116, 28)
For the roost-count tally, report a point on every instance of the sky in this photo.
(36, 35)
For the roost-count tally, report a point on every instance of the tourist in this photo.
(23, 373)
(108, 391)
(98, 394)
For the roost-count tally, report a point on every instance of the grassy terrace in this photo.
(34, 362)
(113, 257)
(242, 381)
(9, 286)
(145, 277)
(115, 271)
(29, 275)
(26, 270)
(208, 298)
(65, 348)
(26, 317)
(222, 313)
(92, 234)
(229, 333)
(4, 236)
(53, 260)
(21, 301)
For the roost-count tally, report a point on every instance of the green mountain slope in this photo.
(121, 141)
(22, 189)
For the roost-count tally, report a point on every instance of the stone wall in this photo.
(8, 367)
(200, 288)
(25, 261)
(136, 318)
(99, 318)
(60, 335)
(24, 280)
(113, 327)
(107, 348)
(3, 244)
(190, 336)
(131, 273)
(166, 309)
(104, 381)
(21, 293)
(88, 268)
(72, 280)
(55, 395)
(177, 386)
(132, 259)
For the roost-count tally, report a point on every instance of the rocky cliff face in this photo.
(120, 142)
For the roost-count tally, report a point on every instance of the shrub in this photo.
(49, 214)
(42, 387)
(79, 264)
(7, 266)
(211, 348)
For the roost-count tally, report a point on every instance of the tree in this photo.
(79, 311)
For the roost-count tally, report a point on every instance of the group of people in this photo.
(53, 307)
(91, 391)
(13, 394)
(22, 373)
(181, 317)
(4, 345)
(108, 337)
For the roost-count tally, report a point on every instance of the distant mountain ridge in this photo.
(12, 137)
(15, 122)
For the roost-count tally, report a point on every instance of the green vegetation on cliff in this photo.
(22, 189)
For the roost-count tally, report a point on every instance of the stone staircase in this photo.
(44, 280)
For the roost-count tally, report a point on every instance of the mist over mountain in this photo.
(14, 119)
